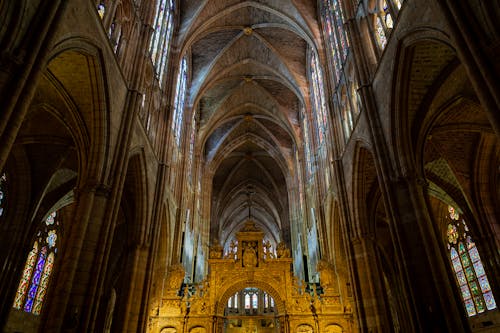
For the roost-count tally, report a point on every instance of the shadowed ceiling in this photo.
(248, 86)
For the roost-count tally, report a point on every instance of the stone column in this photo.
(424, 261)
(24, 68)
(371, 309)
(66, 301)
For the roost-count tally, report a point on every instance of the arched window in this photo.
(101, 10)
(383, 22)
(469, 271)
(255, 301)
(180, 97)
(318, 98)
(160, 41)
(3, 183)
(247, 301)
(336, 36)
(38, 268)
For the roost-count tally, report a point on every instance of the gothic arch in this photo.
(233, 288)
(414, 45)
(78, 59)
(365, 181)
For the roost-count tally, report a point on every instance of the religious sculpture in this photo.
(250, 255)
(269, 252)
(282, 251)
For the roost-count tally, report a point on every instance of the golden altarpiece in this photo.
(251, 267)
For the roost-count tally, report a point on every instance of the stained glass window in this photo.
(3, 181)
(398, 3)
(336, 37)
(101, 10)
(469, 271)
(160, 41)
(38, 268)
(180, 96)
(380, 33)
(318, 98)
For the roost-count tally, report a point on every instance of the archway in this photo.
(251, 310)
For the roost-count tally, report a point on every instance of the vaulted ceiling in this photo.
(248, 87)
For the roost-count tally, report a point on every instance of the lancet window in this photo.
(336, 37)
(38, 268)
(253, 301)
(468, 267)
(162, 35)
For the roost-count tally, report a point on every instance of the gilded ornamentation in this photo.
(327, 274)
(208, 299)
(305, 329)
(176, 276)
(216, 250)
(282, 251)
(250, 255)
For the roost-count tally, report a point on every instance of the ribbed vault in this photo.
(248, 87)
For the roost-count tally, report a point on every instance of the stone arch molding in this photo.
(304, 328)
(240, 284)
(168, 330)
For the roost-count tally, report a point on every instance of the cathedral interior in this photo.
(245, 166)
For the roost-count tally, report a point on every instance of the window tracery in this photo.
(336, 36)
(38, 268)
(253, 300)
(468, 267)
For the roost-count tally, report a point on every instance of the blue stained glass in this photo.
(35, 280)
(485, 285)
(490, 300)
(457, 266)
(465, 292)
(51, 238)
(469, 305)
(453, 253)
(478, 267)
(474, 255)
(461, 278)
